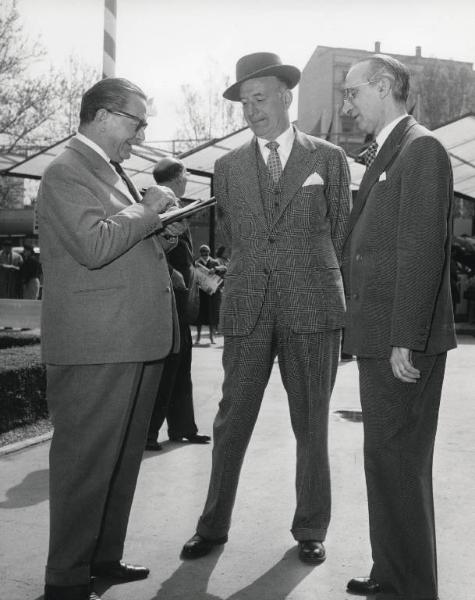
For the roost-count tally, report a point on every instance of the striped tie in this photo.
(273, 162)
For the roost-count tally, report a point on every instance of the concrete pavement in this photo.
(260, 560)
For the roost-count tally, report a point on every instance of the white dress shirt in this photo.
(285, 141)
(85, 140)
(385, 131)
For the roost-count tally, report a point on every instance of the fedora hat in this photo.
(261, 64)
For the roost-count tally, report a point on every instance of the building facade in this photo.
(441, 90)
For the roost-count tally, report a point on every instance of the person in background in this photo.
(108, 322)
(209, 306)
(10, 264)
(396, 268)
(174, 400)
(223, 261)
(30, 273)
(282, 202)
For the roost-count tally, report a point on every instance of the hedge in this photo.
(9, 338)
(22, 387)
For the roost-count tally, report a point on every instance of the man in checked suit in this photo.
(107, 325)
(283, 201)
(396, 269)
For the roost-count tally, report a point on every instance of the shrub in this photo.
(22, 387)
(9, 338)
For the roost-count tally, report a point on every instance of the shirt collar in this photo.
(385, 131)
(285, 141)
(85, 140)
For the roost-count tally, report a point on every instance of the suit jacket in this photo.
(302, 245)
(396, 263)
(107, 293)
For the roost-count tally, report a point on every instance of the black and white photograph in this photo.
(237, 299)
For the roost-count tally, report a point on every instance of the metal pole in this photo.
(110, 25)
(212, 218)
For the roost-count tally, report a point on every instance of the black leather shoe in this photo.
(119, 570)
(70, 592)
(312, 551)
(192, 439)
(153, 446)
(198, 546)
(363, 585)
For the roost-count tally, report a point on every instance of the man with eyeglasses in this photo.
(396, 269)
(108, 322)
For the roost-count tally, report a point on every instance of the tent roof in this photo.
(8, 161)
(458, 137)
(202, 158)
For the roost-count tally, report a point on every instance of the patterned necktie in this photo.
(125, 178)
(370, 153)
(273, 162)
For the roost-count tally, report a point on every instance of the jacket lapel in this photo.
(101, 169)
(247, 175)
(299, 165)
(388, 152)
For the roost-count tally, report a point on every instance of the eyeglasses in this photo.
(141, 124)
(350, 93)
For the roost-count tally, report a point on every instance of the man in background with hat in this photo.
(283, 201)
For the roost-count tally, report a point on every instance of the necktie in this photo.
(370, 153)
(273, 162)
(125, 178)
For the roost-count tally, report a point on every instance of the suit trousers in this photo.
(100, 415)
(400, 423)
(175, 393)
(308, 364)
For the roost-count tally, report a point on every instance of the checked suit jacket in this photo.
(396, 262)
(302, 242)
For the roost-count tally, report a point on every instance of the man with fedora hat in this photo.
(283, 201)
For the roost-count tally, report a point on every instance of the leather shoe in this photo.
(117, 569)
(198, 546)
(153, 446)
(311, 551)
(192, 439)
(69, 592)
(363, 586)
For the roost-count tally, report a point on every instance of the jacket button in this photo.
(168, 289)
(358, 258)
(355, 296)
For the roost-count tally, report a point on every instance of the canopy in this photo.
(458, 137)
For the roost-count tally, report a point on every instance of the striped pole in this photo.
(110, 20)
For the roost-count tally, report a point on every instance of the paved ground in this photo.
(260, 560)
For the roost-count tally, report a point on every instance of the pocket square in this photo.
(382, 177)
(313, 179)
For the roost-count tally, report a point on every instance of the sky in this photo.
(162, 45)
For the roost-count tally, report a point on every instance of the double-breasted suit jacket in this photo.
(396, 263)
(303, 240)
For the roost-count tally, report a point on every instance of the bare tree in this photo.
(443, 92)
(33, 110)
(205, 114)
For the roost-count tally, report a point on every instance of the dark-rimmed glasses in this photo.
(141, 124)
